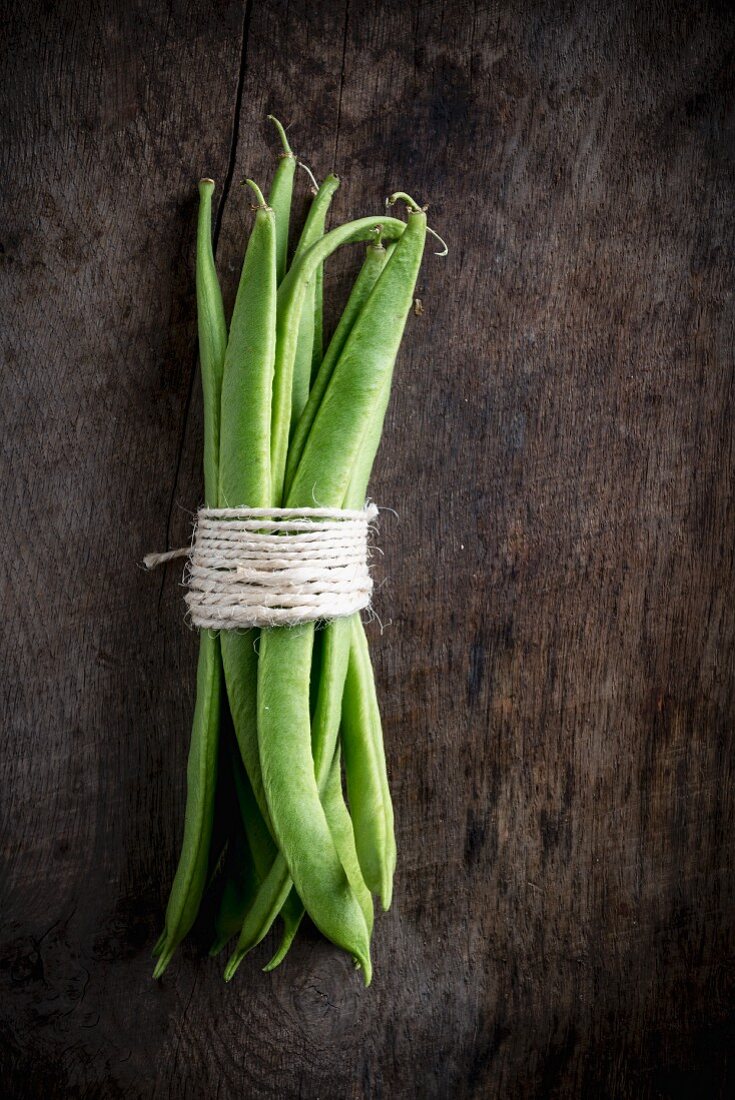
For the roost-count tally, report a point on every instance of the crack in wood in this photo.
(226, 188)
(341, 86)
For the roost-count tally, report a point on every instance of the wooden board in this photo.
(557, 664)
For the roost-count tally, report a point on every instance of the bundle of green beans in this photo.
(281, 712)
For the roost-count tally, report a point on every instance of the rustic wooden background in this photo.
(557, 664)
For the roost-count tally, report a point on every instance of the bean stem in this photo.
(279, 198)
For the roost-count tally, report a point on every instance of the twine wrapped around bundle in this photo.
(275, 566)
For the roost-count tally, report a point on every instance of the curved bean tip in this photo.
(412, 205)
(161, 965)
(262, 204)
(367, 970)
(287, 150)
(232, 965)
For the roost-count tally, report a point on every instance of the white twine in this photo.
(275, 566)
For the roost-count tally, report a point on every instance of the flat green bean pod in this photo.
(360, 378)
(303, 361)
(367, 783)
(245, 471)
(291, 294)
(375, 256)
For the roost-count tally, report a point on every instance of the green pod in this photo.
(361, 378)
(201, 778)
(212, 331)
(276, 887)
(374, 262)
(362, 732)
(270, 898)
(279, 198)
(191, 873)
(245, 480)
(291, 294)
(299, 823)
(239, 895)
(329, 677)
(245, 473)
(305, 349)
(240, 885)
(340, 825)
(325, 724)
(244, 463)
(367, 783)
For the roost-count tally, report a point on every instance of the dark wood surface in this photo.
(557, 663)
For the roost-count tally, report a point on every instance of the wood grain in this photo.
(557, 664)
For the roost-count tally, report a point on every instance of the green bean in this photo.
(325, 724)
(361, 726)
(212, 329)
(265, 854)
(365, 770)
(291, 294)
(190, 878)
(317, 348)
(279, 198)
(361, 376)
(245, 479)
(201, 776)
(260, 841)
(240, 885)
(328, 674)
(262, 852)
(300, 825)
(284, 741)
(303, 361)
(340, 824)
(248, 371)
(325, 728)
(330, 677)
(259, 918)
(374, 262)
(245, 475)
